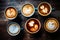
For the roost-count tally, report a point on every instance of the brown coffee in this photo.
(32, 25)
(10, 13)
(44, 8)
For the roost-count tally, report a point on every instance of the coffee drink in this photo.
(27, 10)
(32, 25)
(13, 29)
(11, 13)
(51, 25)
(44, 8)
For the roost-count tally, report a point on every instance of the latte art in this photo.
(27, 10)
(44, 8)
(13, 29)
(32, 25)
(51, 25)
(10, 13)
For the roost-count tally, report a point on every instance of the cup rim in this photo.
(5, 13)
(49, 6)
(31, 13)
(35, 31)
(13, 34)
(52, 30)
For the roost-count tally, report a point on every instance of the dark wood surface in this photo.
(23, 35)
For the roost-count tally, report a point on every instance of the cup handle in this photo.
(21, 28)
(36, 9)
(53, 9)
